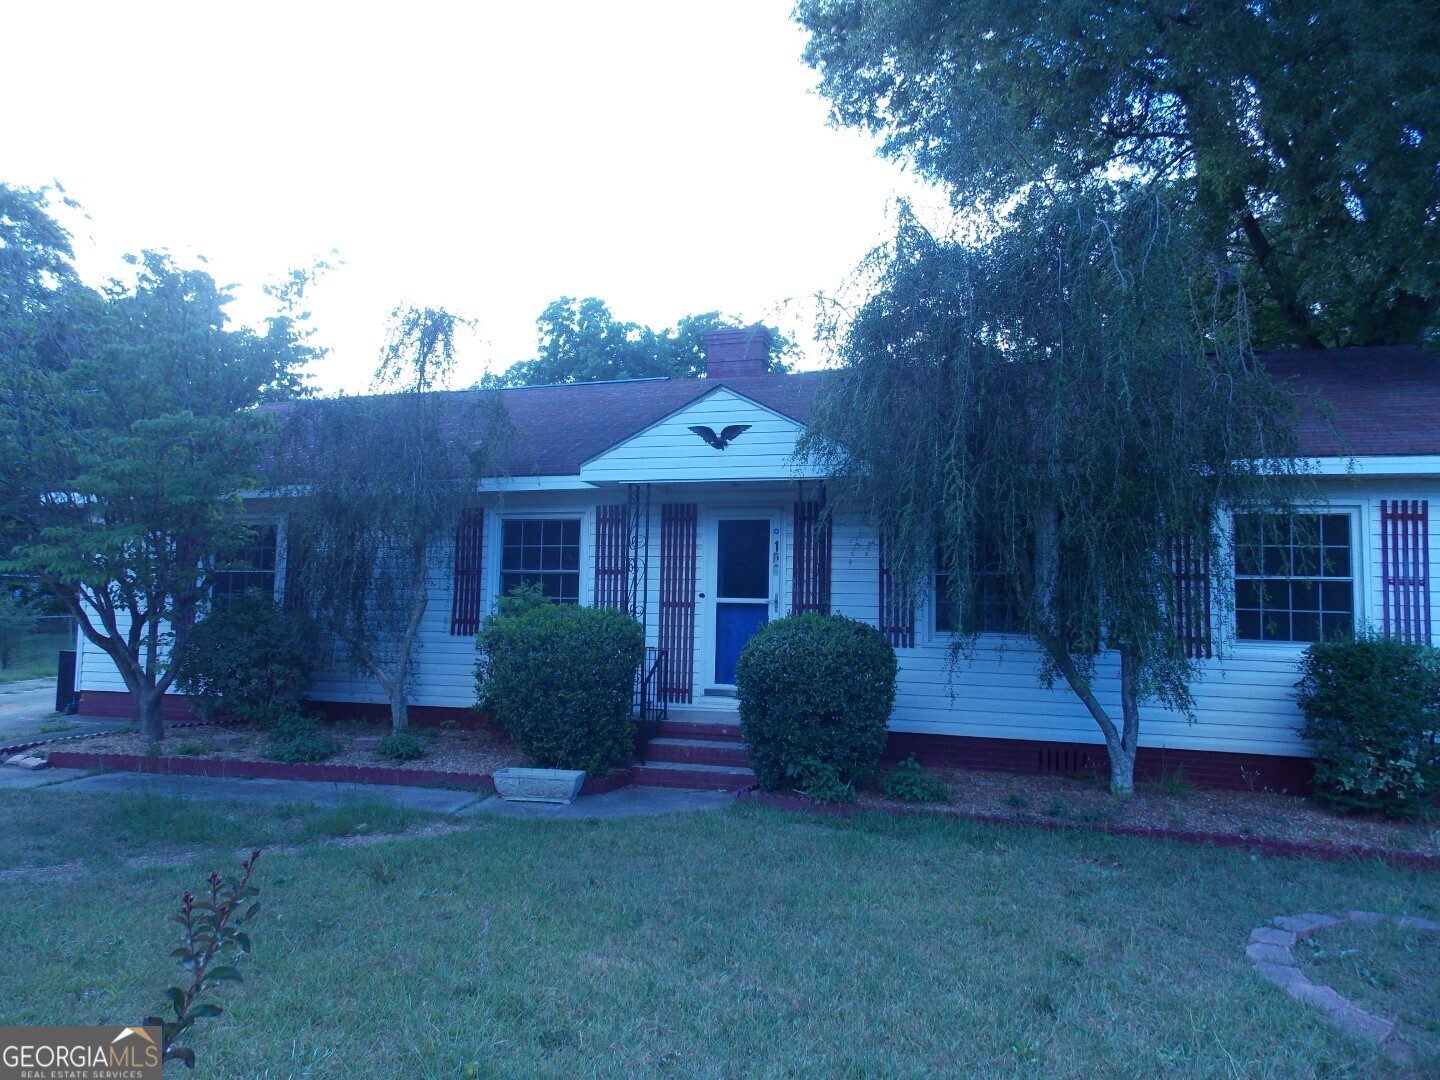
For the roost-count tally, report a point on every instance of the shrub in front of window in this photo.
(1372, 710)
(815, 691)
(560, 679)
(249, 659)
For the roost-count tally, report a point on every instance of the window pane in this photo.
(743, 567)
(542, 552)
(1301, 589)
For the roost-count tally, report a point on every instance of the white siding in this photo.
(668, 451)
(1243, 701)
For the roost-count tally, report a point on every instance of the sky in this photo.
(668, 158)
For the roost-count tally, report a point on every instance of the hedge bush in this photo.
(1372, 709)
(815, 694)
(248, 658)
(560, 679)
(297, 739)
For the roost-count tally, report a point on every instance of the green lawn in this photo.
(36, 657)
(747, 942)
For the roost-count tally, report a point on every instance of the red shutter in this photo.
(897, 612)
(611, 557)
(677, 600)
(810, 577)
(1192, 600)
(1405, 568)
(465, 598)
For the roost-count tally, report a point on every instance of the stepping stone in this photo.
(1410, 922)
(1269, 935)
(27, 761)
(1270, 954)
(1282, 974)
(1322, 997)
(1369, 918)
(1361, 1024)
(1306, 923)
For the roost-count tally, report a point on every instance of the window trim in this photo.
(933, 613)
(1359, 551)
(495, 546)
(276, 572)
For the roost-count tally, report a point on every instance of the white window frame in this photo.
(1359, 549)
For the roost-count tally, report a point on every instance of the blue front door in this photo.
(742, 588)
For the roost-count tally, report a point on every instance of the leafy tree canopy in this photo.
(1305, 136)
(127, 435)
(581, 341)
(373, 522)
(1080, 393)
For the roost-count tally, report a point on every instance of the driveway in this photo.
(27, 707)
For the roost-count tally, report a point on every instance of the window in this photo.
(253, 568)
(991, 608)
(543, 552)
(1294, 577)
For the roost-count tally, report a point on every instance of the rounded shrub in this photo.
(560, 679)
(815, 694)
(1372, 719)
(248, 658)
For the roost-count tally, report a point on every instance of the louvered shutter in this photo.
(465, 599)
(677, 600)
(1405, 569)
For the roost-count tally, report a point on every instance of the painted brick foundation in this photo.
(1207, 768)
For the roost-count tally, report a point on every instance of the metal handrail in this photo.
(651, 709)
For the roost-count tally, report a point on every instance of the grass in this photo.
(1386, 970)
(36, 657)
(743, 942)
(153, 827)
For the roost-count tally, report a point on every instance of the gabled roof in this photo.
(1379, 401)
(557, 428)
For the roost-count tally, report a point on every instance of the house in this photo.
(679, 500)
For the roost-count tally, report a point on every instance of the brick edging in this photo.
(1294, 849)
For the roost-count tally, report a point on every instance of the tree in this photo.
(129, 434)
(1073, 402)
(1305, 137)
(381, 484)
(581, 341)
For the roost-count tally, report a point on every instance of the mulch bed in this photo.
(1264, 821)
(1279, 824)
(462, 759)
(1256, 815)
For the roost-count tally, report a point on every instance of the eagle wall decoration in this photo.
(724, 439)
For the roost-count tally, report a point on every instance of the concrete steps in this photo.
(693, 777)
(699, 749)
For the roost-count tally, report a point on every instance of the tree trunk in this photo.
(152, 725)
(1123, 745)
(399, 708)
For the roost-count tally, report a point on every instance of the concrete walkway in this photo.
(626, 802)
(28, 706)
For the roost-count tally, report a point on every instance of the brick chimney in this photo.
(736, 353)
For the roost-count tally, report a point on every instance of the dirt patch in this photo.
(466, 752)
(1174, 807)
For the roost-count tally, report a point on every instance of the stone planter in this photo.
(539, 785)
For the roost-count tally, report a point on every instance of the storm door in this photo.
(746, 559)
